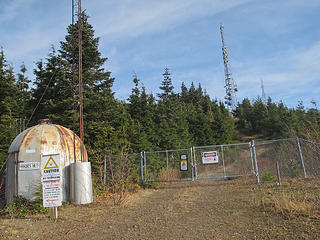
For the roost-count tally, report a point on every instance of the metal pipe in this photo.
(167, 165)
(278, 173)
(163, 151)
(145, 166)
(195, 162)
(191, 163)
(251, 158)
(301, 158)
(224, 167)
(255, 161)
(141, 166)
(105, 169)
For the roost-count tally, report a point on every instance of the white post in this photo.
(195, 162)
(301, 158)
(251, 158)
(167, 158)
(141, 166)
(105, 169)
(191, 164)
(255, 161)
(224, 167)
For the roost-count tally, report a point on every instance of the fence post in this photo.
(222, 156)
(145, 166)
(278, 173)
(301, 157)
(195, 162)
(251, 158)
(141, 166)
(255, 161)
(105, 169)
(167, 165)
(191, 163)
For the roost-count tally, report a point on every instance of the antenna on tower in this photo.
(230, 86)
(77, 17)
(263, 94)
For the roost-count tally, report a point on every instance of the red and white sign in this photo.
(52, 193)
(210, 157)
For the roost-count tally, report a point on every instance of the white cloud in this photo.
(11, 9)
(287, 74)
(133, 18)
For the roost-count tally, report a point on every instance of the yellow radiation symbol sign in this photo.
(50, 164)
(183, 165)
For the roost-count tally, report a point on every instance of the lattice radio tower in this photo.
(77, 17)
(230, 86)
(263, 94)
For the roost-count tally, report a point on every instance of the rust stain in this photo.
(53, 138)
(67, 134)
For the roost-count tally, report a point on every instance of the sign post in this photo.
(51, 183)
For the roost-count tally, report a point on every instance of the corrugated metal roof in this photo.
(49, 138)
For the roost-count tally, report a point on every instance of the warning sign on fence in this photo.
(210, 157)
(184, 162)
(51, 180)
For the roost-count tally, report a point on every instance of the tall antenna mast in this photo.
(263, 94)
(230, 86)
(77, 16)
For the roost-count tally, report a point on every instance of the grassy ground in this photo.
(236, 209)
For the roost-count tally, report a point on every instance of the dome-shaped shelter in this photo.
(23, 176)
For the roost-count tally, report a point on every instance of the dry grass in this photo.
(291, 200)
(288, 207)
(172, 174)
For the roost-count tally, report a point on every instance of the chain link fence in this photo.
(121, 168)
(311, 157)
(167, 166)
(278, 159)
(267, 161)
(223, 161)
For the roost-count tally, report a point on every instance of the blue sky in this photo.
(275, 40)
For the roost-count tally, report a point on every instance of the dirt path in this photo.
(202, 210)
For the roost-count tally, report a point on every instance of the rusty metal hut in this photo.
(23, 176)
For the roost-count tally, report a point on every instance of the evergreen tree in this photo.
(171, 118)
(9, 110)
(105, 118)
(140, 109)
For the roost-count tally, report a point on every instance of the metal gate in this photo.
(167, 166)
(265, 160)
(223, 161)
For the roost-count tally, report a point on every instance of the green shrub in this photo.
(268, 176)
(22, 207)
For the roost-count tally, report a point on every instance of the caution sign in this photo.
(183, 162)
(210, 157)
(51, 180)
(51, 167)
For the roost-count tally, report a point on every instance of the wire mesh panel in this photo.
(168, 166)
(283, 152)
(311, 156)
(121, 167)
(230, 161)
